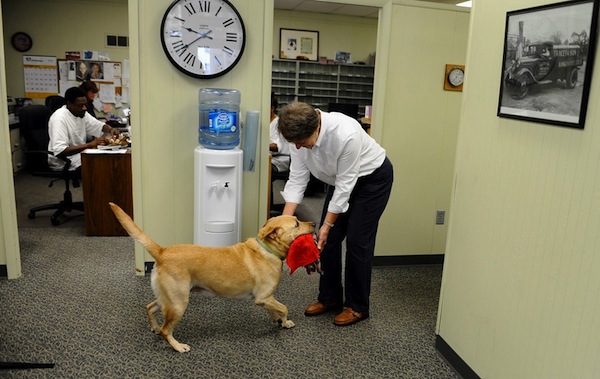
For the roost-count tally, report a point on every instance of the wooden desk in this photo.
(106, 177)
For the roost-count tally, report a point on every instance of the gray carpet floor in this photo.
(80, 306)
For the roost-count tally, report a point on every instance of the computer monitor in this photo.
(350, 110)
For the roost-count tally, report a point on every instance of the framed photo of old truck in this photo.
(547, 63)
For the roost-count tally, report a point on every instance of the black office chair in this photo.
(54, 102)
(34, 129)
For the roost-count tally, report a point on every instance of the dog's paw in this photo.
(181, 347)
(288, 324)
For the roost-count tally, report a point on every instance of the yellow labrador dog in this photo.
(247, 270)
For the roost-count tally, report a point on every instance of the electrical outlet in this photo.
(440, 217)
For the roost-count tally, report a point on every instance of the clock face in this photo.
(21, 41)
(456, 77)
(203, 38)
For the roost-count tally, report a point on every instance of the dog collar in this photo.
(267, 248)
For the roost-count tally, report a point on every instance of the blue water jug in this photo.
(219, 118)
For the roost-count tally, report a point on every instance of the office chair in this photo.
(34, 129)
(54, 102)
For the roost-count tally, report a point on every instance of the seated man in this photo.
(279, 147)
(280, 152)
(68, 129)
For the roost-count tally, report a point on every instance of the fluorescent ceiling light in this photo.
(466, 4)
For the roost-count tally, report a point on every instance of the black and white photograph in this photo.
(547, 63)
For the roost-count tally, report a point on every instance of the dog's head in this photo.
(279, 232)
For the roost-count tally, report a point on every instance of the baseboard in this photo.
(454, 360)
(3, 270)
(403, 260)
(24, 365)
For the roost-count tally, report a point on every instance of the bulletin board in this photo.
(111, 77)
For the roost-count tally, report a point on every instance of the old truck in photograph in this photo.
(543, 63)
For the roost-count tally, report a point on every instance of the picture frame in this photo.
(298, 44)
(547, 63)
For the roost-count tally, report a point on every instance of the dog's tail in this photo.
(135, 232)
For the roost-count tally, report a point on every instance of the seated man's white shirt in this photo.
(281, 159)
(64, 130)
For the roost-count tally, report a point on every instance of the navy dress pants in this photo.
(358, 225)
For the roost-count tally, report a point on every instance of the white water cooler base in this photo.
(217, 196)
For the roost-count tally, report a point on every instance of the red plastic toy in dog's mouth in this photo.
(303, 252)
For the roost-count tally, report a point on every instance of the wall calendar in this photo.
(41, 77)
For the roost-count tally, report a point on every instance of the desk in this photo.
(106, 177)
(18, 158)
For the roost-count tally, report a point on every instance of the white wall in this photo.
(522, 272)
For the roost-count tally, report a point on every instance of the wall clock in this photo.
(454, 77)
(203, 38)
(21, 41)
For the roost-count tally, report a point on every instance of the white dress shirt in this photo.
(64, 130)
(281, 158)
(342, 153)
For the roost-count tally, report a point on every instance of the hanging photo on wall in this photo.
(299, 44)
(547, 63)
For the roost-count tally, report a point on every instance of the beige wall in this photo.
(359, 33)
(417, 121)
(419, 141)
(522, 271)
(9, 241)
(57, 26)
(165, 102)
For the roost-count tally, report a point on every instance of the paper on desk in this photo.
(98, 151)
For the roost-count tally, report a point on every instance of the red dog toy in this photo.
(303, 252)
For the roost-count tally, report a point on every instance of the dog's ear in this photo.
(270, 227)
(267, 230)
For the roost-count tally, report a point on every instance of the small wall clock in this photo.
(21, 41)
(203, 38)
(454, 77)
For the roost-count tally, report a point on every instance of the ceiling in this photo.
(339, 9)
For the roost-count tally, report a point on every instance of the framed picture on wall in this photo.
(547, 63)
(299, 44)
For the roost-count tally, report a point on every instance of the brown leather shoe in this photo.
(319, 308)
(349, 317)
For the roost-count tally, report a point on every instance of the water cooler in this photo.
(218, 166)
(217, 196)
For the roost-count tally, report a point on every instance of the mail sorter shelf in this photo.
(320, 84)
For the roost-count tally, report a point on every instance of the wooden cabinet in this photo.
(320, 84)
(106, 177)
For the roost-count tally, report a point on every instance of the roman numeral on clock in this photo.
(179, 47)
(206, 7)
(231, 37)
(227, 51)
(228, 22)
(190, 8)
(190, 59)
